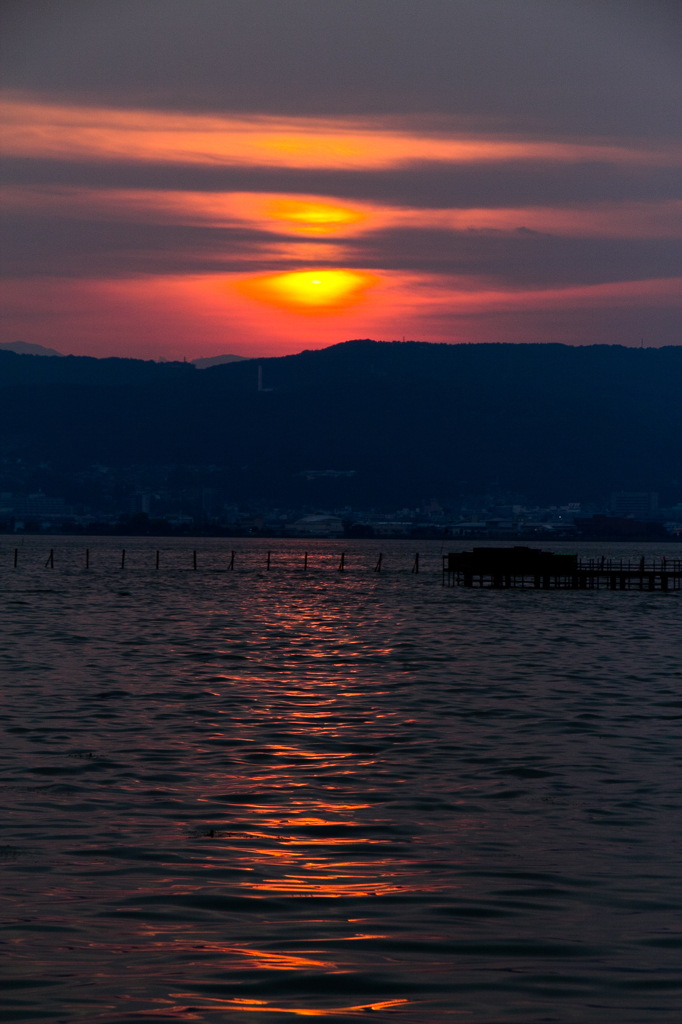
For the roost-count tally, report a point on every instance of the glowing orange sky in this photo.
(314, 292)
(51, 130)
(324, 215)
(276, 271)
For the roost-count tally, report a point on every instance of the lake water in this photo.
(245, 796)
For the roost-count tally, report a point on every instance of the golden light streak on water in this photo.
(484, 827)
(262, 1006)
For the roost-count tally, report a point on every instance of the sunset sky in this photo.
(184, 179)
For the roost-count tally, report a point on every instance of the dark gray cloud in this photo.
(521, 257)
(578, 66)
(65, 247)
(432, 185)
(59, 246)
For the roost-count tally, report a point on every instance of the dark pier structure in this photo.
(531, 567)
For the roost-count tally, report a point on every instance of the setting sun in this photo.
(310, 291)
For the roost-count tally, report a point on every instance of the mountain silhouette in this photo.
(28, 348)
(394, 421)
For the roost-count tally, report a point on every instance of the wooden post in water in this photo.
(16, 555)
(157, 559)
(123, 558)
(342, 563)
(194, 557)
(50, 559)
(231, 565)
(415, 567)
(87, 558)
(267, 566)
(377, 567)
(305, 562)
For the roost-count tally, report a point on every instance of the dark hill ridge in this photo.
(35, 370)
(26, 348)
(412, 419)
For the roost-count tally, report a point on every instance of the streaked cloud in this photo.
(433, 232)
(282, 213)
(33, 129)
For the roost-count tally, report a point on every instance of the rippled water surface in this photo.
(238, 796)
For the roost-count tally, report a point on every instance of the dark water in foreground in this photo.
(245, 796)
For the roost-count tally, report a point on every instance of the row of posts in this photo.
(342, 564)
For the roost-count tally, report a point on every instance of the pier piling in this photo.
(531, 567)
(504, 568)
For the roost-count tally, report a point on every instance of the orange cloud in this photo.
(206, 313)
(314, 215)
(32, 129)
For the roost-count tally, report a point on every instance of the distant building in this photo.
(210, 502)
(600, 527)
(255, 522)
(35, 506)
(379, 528)
(325, 474)
(176, 519)
(141, 503)
(634, 503)
(316, 526)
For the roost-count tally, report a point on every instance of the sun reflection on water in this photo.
(260, 1005)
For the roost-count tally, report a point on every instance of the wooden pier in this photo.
(531, 567)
